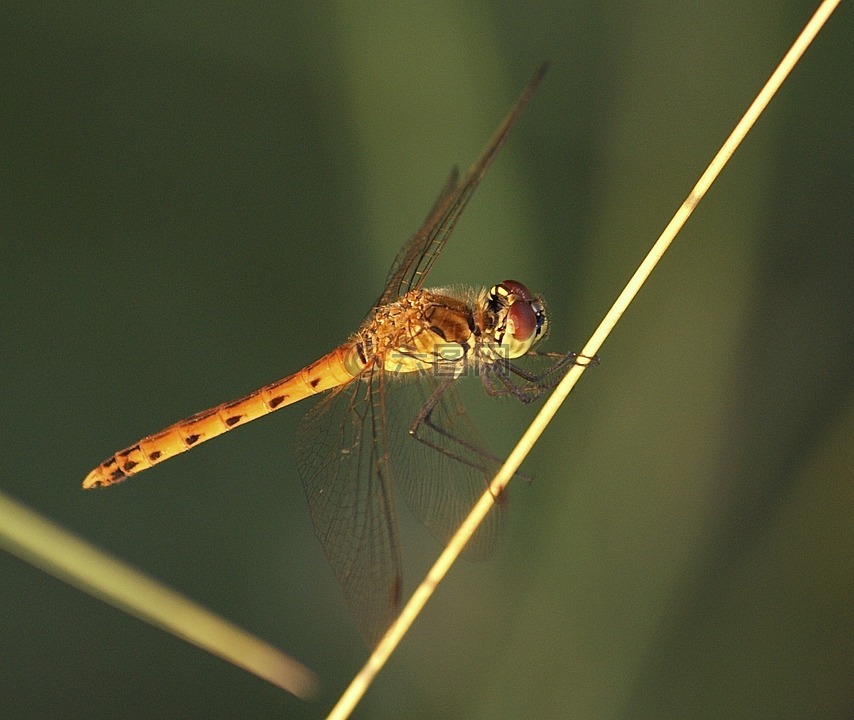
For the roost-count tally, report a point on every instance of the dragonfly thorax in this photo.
(443, 330)
(424, 330)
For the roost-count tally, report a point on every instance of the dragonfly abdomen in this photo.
(334, 369)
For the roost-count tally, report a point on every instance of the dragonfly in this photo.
(392, 409)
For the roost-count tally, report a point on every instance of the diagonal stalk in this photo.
(413, 607)
(58, 552)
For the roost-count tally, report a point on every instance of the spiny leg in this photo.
(536, 384)
(466, 452)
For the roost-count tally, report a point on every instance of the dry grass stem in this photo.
(65, 556)
(419, 598)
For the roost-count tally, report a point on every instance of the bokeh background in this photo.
(199, 198)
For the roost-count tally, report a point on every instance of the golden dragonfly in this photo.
(392, 408)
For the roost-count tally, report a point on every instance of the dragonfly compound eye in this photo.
(514, 287)
(524, 320)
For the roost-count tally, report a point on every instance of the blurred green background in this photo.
(199, 198)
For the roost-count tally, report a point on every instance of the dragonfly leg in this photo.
(464, 452)
(499, 381)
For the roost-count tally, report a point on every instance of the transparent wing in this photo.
(342, 460)
(416, 258)
(443, 473)
(414, 252)
(342, 442)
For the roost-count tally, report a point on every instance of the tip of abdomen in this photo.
(107, 473)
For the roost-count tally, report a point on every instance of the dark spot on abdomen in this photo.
(233, 420)
(192, 439)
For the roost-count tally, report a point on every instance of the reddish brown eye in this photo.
(521, 320)
(518, 289)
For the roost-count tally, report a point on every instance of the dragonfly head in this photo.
(520, 317)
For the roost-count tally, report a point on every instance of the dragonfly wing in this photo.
(416, 258)
(413, 253)
(443, 474)
(343, 464)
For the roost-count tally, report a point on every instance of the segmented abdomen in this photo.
(332, 370)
